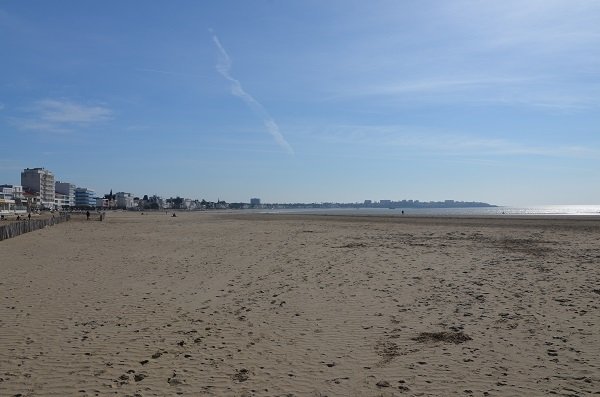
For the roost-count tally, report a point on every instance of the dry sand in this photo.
(234, 304)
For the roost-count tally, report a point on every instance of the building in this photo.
(7, 205)
(39, 182)
(156, 202)
(254, 201)
(111, 200)
(187, 204)
(61, 201)
(150, 203)
(67, 190)
(12, 200)
(124, 200)
(101, 202)
(12, 192)
(7, 201)
(84, 197)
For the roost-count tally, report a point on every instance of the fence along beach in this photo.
(263, 305)
(16, 228)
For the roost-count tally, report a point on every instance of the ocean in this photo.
(545, 210)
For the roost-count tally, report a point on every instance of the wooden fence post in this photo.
(17, 228)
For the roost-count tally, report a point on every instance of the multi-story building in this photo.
(85, 197)
(68, 190)
(61, 201)
(188, 204)
(12, 200)
(254, 201)
(124, 200)
(6, 192)
(156, 202)
(101, 202)
(12, 192)
(39, 182)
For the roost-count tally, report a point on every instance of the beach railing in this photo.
(14, 229)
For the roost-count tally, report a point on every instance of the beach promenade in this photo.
(235, 304)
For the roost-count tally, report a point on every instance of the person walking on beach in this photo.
(87, 214)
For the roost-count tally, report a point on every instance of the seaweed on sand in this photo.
(443, 336)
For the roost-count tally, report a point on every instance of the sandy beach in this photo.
(234, 304)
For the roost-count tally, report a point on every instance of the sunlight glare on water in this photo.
(546, 210)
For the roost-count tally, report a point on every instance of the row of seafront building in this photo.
(40, 191)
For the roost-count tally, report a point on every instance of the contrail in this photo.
(223, 67)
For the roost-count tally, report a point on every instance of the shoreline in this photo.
(492, 220)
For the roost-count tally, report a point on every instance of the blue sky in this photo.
(306, 100)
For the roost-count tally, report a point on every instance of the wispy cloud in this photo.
(52, 115)
(449, 144)
(224, 67)
(540, 92)
(56, 111)
(539, 53)
(437, 85)
(548, 25)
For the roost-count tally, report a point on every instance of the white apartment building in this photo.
(61, 200)
(11, 199)
(68, 190)
(11, 192)
(39, 181)
(124, 200)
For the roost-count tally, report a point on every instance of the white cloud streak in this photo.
(224, 67)
(52, 115)
(56, 111)
(436, 85)
(450, 144)
(536, 53)
(534, 92)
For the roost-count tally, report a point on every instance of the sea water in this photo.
(545, 210)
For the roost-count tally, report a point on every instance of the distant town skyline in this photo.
(39, 190)
(304, 101)
(46, 191)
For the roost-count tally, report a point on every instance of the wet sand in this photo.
(239, 305)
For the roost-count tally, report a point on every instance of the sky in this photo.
(306, 101)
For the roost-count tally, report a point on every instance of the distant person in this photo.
(174, 215)
(402, 212)
(29, 216)
(87, 214)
